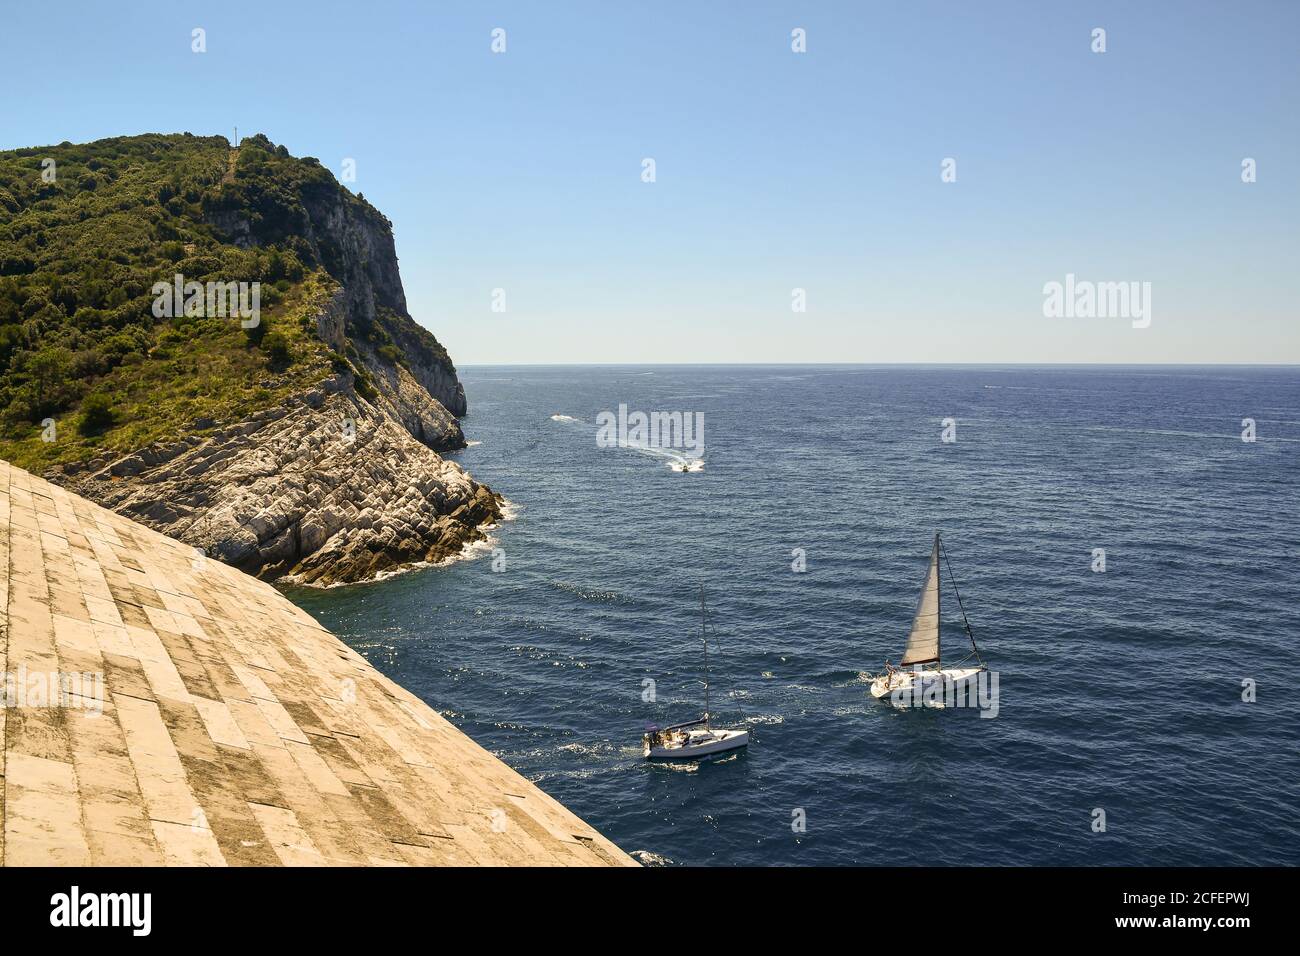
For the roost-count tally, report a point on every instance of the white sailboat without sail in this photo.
(923, 654)
(694, 738)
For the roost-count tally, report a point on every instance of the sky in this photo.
(774, 170)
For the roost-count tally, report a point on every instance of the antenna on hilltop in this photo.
(236, 142)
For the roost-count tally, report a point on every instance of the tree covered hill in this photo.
(87, 230)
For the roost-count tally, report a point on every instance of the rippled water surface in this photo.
(1119, 690)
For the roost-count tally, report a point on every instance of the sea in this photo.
(1124, 540)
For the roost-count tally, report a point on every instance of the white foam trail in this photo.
(687, 464)
(676, 460)
(1164, 432)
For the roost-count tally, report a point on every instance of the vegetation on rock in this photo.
(85, 233)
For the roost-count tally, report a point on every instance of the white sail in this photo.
(923, 641)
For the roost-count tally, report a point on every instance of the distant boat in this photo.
(694, 738)
(922, 653)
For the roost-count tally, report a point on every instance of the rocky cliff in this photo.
(325, 465)
(326, 488)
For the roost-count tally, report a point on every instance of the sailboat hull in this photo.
(904, 683)
(700, 744)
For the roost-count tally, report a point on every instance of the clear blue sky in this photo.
(775, 170)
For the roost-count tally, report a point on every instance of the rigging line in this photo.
(717, 649)
(960, 606)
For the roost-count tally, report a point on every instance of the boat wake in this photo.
(1172, 433)
(674, 459)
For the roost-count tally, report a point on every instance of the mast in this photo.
(704, 636)
(938, 611)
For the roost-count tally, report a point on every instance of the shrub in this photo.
(391, 354)
(276, 347)
(96, 414)
(363, 384)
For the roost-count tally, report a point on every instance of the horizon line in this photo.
(1276, 365)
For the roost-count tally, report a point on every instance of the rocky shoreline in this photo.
(326, 489)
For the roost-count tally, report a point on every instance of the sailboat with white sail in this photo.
(694, 738)
(923, 653)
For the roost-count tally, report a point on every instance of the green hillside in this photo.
(79, 257)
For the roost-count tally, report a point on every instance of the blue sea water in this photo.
(1120, 691)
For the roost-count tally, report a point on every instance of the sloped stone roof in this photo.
(203, 719)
